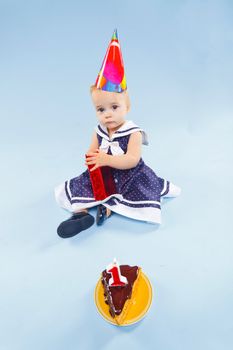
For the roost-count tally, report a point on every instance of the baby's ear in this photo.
(127, 100)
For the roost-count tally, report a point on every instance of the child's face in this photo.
(111, 108)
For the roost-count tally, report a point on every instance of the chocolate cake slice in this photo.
(119, 298)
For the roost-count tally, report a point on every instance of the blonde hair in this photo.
(124, 93)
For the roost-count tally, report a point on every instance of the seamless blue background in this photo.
(178, 58)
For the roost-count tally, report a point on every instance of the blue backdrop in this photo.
(178, 57)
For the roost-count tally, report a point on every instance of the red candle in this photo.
(117, 279)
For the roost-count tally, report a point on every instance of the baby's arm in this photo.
(128, 160)
(131, 158)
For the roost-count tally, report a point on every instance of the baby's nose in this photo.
(108, 116)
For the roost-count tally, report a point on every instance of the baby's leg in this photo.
(81, 211)
(108, 212)
(102, 214)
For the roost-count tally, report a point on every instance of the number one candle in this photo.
(117, 279)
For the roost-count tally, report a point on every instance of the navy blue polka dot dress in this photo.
(138, 190)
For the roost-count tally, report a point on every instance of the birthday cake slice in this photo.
(120, 286)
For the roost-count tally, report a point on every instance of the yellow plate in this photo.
(136, 312)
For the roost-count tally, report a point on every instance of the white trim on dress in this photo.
(148, 214)
(152, 215)
(127, 128)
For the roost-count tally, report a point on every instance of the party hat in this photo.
(112, 73)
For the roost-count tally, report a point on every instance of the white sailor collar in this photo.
(127, 128)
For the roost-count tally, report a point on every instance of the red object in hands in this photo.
(102, 182)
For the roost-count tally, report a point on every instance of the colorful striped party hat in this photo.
(112, 73)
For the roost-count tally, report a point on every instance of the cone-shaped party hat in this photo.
(112, 73)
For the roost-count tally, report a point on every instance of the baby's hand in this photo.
(98, 158)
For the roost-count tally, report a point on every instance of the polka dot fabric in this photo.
(139, 189)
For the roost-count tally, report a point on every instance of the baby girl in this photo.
(116, 143)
